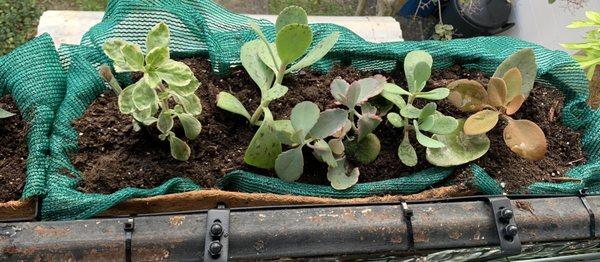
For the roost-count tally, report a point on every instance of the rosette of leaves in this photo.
(165, 92)
(363, 145)
(505, 94)
(417, 68)
(310, 127)
(267, 63)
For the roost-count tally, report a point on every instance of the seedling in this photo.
(5, 114)
(267, 63)
(505, 94)
(166, 82)
(364, 145)
(310, 127)
(417, 68)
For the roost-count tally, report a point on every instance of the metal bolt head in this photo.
(511, 230)
(216, 230)
(506, 214)
(215, 248)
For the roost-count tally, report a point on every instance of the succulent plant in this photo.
(5, 114)
(417, 68)
(267, 63)
(165, 82)
(505, 94)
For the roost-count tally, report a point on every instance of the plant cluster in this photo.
(267, 63)
(165, 92)
(505, 94)
(590, 48)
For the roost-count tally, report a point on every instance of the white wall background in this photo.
(545, 24)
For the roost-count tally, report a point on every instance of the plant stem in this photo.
(259, 111)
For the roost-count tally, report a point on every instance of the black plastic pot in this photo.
(478, 17)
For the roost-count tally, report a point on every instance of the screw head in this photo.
(215, 248)
(506, 214)
(216, 230)
(511, 230)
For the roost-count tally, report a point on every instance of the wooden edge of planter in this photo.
(207, 199)
(18, 210)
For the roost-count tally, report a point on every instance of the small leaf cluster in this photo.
(267, 63)
(443, 32)
(504, 96)
(165, 92)
(591, 45)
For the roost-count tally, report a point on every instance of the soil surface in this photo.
(13, 152)
(112, 156)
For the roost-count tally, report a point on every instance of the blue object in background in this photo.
(409, 8)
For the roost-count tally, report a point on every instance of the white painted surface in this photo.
(545, 24)
(69, 26)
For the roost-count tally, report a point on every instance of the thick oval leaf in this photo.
(396, 99)
(366, 125)
(409, 111)
(133, 56)
(395, 89)
(191, 125)
(344, 130)
(256, 68)
(330, 121)
(337, 147)
(513, 80)
(524, 60)
(144, 96)
(427, 123)
(395, 119)
(497, 92)
(290, 15)
(514, 105)
(165, 122)
(481, 122)
(365, 150)
(304, 116)
(230, 103)
(292, 42)
(425, 140)
(444, 125)
(156, 58)
(276, 92)
(322, 150)
(264, 146)
(314, 55)
(266, 54)
(406, 152)
(5, 114)
(435, 94)
(339, 179)
(422, 74)
(370, 87)
(460, 148)
(526, 139)
(175, 73)
(428, 110)
(289, 165)
(158, 37)
(191, 104)
(467, 95)
(353, 94)
(125, 100)
(179, 149)
(283, 130)
(339, 88)
(413, 75)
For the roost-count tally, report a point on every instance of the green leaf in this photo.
(443, 125)
(370, 87)
(190, 103)
(339, 88)
(251, 61)
(339, 179)
(322, 150)
(460, 148)
(406, 152)
(175, 73)
(365, 150)
(191, 125)
(188, 89)
(156, 57)
(417, 68)
(481, 122)
(337, 146)
(165, 122)
(352, 95)
(304, 116)
(133, 56)
(144, 116)
(276, 92)
(394, 98)
(179, 149)
(290, 15)
(329, 122)
(524, 60)
(113, 49)
(5, 114)
(158, 37)
(230, 103)
(394, 89)
(435, 94)
(314, 55)
(366, 125)
(395, 119)
(264, 53)
(425, 140)
(289, 165)
(144, 96)
(264, 147)
(125, 99)
(151, 79)
(428, 110)
(283, 130)
(292, 41)
(409, 111)
(427, 123)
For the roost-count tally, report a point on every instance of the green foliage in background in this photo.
(590, 47)
(316, 7)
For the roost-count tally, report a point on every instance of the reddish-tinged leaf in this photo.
(514, 105)
(481, 122)
(513, 80)
(526, 139)
(496, 92)
(467, 95)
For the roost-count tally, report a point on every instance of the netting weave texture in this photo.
(202, 28)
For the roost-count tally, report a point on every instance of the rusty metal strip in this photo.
(586, 204)
(410, 235)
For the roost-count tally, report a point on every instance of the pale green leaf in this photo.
(292, 42)
(406, 152)
(304, 116)
(425, 140)
(144, 96)
(5, 114)
(365, 150)
(276, 92)
(289, 165)
(339, 179)
(266, 54)
(460, 148)
(524, 60)
(314, 55)
(395, 89)
(191, 125)
(191, 104)
(264, 146)
(329, 122)
(283, 130)
(435, 94)
(188, 89)
(428, 110)
(290, 15)
(125, 99)
(395, 119)
(366, 125)
(165, 122)
(175, 73)
(179, 149)
(133, 56)
(230, 103)
(322, 150)
(158, 37)
(339, 88)
(409, 111)
(396, 99)
(415, 72)
(258, 71)
(370, 87)
(156, 57)
(443, 125)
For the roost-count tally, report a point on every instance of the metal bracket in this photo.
(408, 214)
(216, 243)
(586, 204)
(507, 229)
(128, 227)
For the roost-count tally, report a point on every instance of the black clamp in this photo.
(128, 227)
(216, 243)
(507, 229)
(582, 196)
(410, 235)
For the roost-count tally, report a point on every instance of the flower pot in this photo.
(478, 17)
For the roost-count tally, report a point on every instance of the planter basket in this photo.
(202, 28)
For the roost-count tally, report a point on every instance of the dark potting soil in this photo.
(112, 156)
(13, 152)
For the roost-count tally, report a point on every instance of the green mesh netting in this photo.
(33, 76)
(201, 27)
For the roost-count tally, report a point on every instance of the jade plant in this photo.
(165, 92)
(267, 63)
(504, 96)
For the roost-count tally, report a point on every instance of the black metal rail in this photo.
(307, 231)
